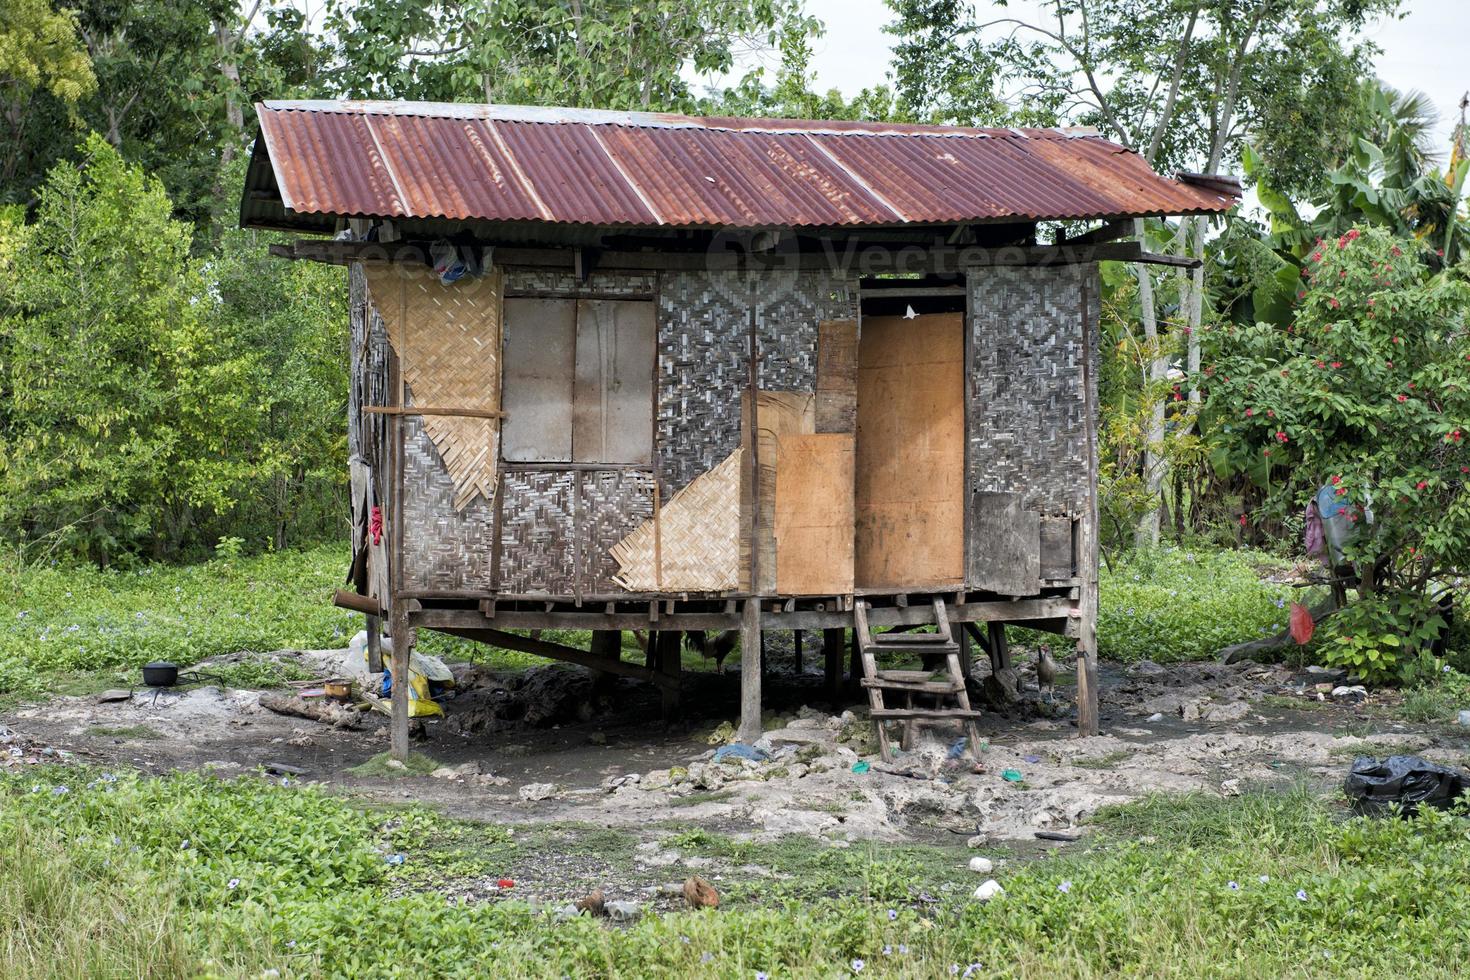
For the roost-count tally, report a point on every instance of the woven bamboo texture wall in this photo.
(448, 343)
(692, 544)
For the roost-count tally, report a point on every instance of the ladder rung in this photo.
(911, 638)
(918, 687)
(939, 713)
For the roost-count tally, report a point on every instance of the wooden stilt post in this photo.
(374, 644)
(854, 665)
(750, 672)
(832, 641)
(670, 664)
(963, 636)
(1000, 648)
(607, 644)
(1087, 712)
(402, 644)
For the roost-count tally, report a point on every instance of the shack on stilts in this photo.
(636, 371)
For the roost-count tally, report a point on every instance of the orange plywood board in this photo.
(814, 514)
(910, 452)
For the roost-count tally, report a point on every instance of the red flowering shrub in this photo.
(1383, 425)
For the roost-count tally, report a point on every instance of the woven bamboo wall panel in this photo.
(1026, 403)
(537, 547)
(693, 544)
(704, 349)
(448, 343)
(445, 548)
(614, 504)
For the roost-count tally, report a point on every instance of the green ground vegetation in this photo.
(189, 875)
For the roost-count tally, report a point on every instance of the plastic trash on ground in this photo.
(1407, 780)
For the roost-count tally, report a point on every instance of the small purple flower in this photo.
(887, 950)
(706, 956)
(1265, 878)
(857, 966)
(1234, 886)
(185, 845)
(892, 914)
(232, 884)
(972, 969)
(761, 976)
(59, 790)
(684, 940)
(1301, 894)
(902, 948)
(1064, 887)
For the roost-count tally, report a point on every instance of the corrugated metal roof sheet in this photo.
(622, 169)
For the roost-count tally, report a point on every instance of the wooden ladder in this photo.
(950, 687)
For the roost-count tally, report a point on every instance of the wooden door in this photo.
(909, 523)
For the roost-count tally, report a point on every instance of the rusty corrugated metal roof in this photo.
(625, 169)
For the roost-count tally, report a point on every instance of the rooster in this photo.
(1046, 672)
(719, 647)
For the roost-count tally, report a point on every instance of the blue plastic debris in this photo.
(740, 750)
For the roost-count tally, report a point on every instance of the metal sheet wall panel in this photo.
(538, 359)
(612, 411)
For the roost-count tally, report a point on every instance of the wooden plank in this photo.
(558, 651)
(1006, 558)
(836, 403)
(750, 672)
(539, 361)
(1057, 560)
(612, 409)
(910, 452)
(813, 520)
(777, 413)
(1087, 679)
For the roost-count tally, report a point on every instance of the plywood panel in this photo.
(910, 452)
(836, 376)
(1056, 548)
(1007, 556)
(540, 341)
(612, 412)
(814, 514)
(778, 413)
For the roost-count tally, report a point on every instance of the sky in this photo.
(1429, 49)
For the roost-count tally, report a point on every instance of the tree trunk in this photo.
(1155, 465)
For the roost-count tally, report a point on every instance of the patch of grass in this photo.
(1108, 760)
(124, 731)
(1176, 604)
(189, 875)
(378, 766)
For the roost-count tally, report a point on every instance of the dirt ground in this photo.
(538, 747)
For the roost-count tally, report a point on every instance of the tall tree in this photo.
(616, 54)
(41, 60)
(1183, 82)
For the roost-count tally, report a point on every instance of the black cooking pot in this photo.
(160, 673)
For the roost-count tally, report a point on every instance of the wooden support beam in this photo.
(558, 651)
(1000, 648)
(375, 644)
(1087, 680)
(606, 645)
(833, 641)
(863, 259)
(402, 643)
(670, 665)
(1019, 610)
(750, 672)
(343, 599)
(469, 413)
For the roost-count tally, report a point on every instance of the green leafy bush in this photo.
(1178, 604)
(1385, 638)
